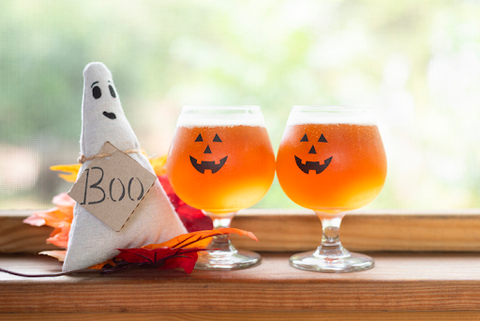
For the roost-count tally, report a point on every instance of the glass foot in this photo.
(313, 261)
(227, 260)
(221, 255)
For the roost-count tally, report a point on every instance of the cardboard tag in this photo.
(112, 187)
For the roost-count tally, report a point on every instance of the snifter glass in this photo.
(221, 161)
(331, 160)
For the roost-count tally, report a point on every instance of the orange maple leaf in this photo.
(59, 217)
(72, 171)
(198, 239)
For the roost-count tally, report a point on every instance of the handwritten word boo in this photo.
(112, 187)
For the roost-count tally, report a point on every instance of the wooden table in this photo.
(402, 286)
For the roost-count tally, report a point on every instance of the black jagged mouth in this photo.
(312, 166)
(109, 115)
(212, 166)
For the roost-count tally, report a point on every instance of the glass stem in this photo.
(331, 247)
(221, 242)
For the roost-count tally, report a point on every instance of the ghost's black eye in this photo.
(97, 92)
(112, 91)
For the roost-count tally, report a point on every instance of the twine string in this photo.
(82, 159)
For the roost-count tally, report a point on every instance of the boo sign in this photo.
(112, 186)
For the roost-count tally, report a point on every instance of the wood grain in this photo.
(17, 237)
(262, 316)
(300, 230)
(363, 230)
(400, 282)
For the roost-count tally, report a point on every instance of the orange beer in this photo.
(221, 168)
(331, 167)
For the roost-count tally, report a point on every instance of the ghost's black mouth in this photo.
(312, 166)
(109, 115)
(208, 165)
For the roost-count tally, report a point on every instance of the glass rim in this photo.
(329, 114)
(248, 115)
(332, 108)
(220, 107)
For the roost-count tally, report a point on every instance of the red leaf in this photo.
(162, 258)
(181, 251)
(184, 259)
(193, 219)
(166, 184)
(138, 255)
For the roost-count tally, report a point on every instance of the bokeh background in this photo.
(417, 63)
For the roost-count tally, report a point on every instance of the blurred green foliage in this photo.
(417, 63)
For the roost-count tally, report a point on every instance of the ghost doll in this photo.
(153, 221)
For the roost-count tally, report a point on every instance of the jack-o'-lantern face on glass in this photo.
(331, 160)
(316, 166)
(221, 161)
(202, 165)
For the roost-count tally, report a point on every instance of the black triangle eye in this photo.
(199, 138)
(304, 138)
(322, 139)
(217, 139)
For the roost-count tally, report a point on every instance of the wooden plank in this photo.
(299, 230)
(261, 316)
(18, 237)
(400, 282)
(363, 230)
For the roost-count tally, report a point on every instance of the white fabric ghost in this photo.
(154, 220)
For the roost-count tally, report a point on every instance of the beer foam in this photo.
(301, 115)
(220, 116)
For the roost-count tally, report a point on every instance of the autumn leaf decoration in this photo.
(179, 252)
(60, 218)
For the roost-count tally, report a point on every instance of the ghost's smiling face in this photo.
(97, 94)
(103, 118)
(308, 166)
